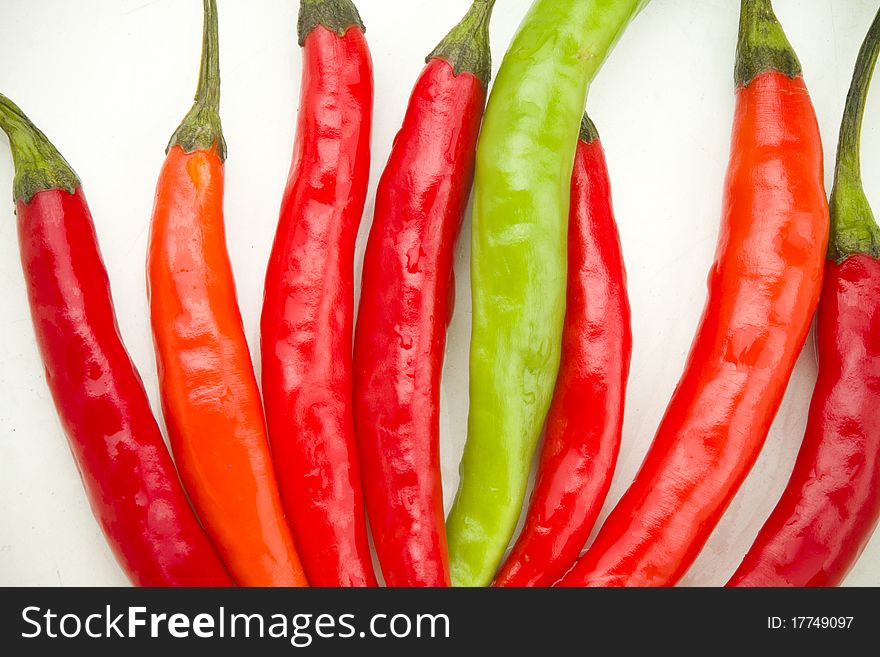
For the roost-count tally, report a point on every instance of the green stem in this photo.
(762, 44)
(201, 128)
(336, 15)
(588, 133)
(853, 228)
(466, 47)
(38, 164)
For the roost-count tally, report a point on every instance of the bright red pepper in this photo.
(309, 300)
(406, 304)
(763, 291)
(125, 467)
(831, 504)
(582, 436)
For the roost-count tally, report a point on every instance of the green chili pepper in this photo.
(518, 264)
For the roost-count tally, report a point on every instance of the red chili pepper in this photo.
(763, 291)
(582, 437)
(128, 474)
(309, 300)
(406, 304)
(831, 504)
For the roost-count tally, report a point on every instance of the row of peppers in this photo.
(279, 493)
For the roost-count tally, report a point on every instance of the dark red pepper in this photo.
(582, 436)
(309, 300)
(831, 504)
(405, 304)
(127, 472)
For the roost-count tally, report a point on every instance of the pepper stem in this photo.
(588, 133)
(853, 228)
(336, 15)
(201, 128)
(762, 44)
(38, 164)
(466, 47)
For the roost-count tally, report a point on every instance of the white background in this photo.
(109, 80)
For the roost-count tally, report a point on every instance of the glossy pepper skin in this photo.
(306, 327)
(518, 264)
(763, 291)
(127, 472)
(406, 303)
(831, 504)
(209, 392)
(582, 436)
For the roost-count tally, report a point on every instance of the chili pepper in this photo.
(763, 291)
(518, 264)
(831, 504)
(127, 472)
(406, 304)
(582, 436)
(309, 300)
(209, 392)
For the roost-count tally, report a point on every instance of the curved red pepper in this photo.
(763, 291)
(406, 303)
(309, 301)
(582, 437)
(832, 501)
(831, 504)
(125, 466)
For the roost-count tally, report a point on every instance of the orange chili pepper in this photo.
(763, 291)
(210, 397)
